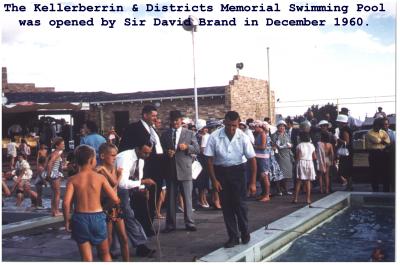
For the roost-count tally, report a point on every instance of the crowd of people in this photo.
(118, 185)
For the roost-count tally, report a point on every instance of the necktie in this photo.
(136, 172)
(153, 138)
(173, 138)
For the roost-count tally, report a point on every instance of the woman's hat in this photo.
(342, 118)
(324, 122)
(280, 123)
(244, 124)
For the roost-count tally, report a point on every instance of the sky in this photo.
(307, 65)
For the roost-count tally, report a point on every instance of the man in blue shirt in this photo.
(92, 138)
(227, 150)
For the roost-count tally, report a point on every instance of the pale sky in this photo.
(306, 63)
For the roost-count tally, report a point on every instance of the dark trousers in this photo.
(378, 163)
(140, 205)
(153, 169)
(233, 196)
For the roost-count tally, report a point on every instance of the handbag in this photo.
(343, 151)
(196, 169)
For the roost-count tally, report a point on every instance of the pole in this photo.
(196, 108)
(269, 91)
(337, 105)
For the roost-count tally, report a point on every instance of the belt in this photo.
(234, 166)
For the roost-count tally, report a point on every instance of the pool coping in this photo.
(12, 228)
(268, 240)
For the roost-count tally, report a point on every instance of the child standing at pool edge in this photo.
(305, 172)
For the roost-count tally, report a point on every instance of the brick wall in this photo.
(20, 87)
(249, 96)
(26, 87)
(208, 108)
(4, 79)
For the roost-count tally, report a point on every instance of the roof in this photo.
(104, 97)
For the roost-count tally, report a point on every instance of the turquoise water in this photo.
(349, 237)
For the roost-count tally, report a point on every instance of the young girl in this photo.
(40, 180)
(107, 154)
(22, 186)
(263, 159)
(54, 174)
(12, 152)
(24, 148)
(41, 153)
(305, 154)
(324, 160)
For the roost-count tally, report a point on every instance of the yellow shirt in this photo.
(374, 139)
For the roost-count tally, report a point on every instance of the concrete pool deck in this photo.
(54, 244)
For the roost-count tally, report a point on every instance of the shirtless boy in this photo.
(88, 222)
(107, 154)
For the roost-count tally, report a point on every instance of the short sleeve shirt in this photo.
(204, 140)
(229, 152)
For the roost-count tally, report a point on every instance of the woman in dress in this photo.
(345, 141)
(285, 158)
(305, 154)
(262, 158)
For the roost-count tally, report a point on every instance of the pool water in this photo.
(349, 237)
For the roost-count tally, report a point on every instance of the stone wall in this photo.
(249, 96)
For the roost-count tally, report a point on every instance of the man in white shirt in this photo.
(227, 150)
(131, 162)
(135, 134)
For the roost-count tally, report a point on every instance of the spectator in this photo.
(305, 166)
(14, 130)
(12, 152)
(54, 174)
(40, 180)
(92, 138)
(345, 141)
(202, 181)
(263, 159)
(284, 154)
(325, 157)
(377, 140)
(178, 145)
(390, 151)
(22, 177)
(380, 113)
(113, 137)
(24, 148)
(41, 153)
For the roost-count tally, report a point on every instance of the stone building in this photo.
(248, 96)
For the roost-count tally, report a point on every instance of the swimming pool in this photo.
(270, 242)
(349, 237)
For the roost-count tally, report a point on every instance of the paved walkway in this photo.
(54, 244)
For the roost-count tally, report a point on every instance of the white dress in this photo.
(305, 166)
